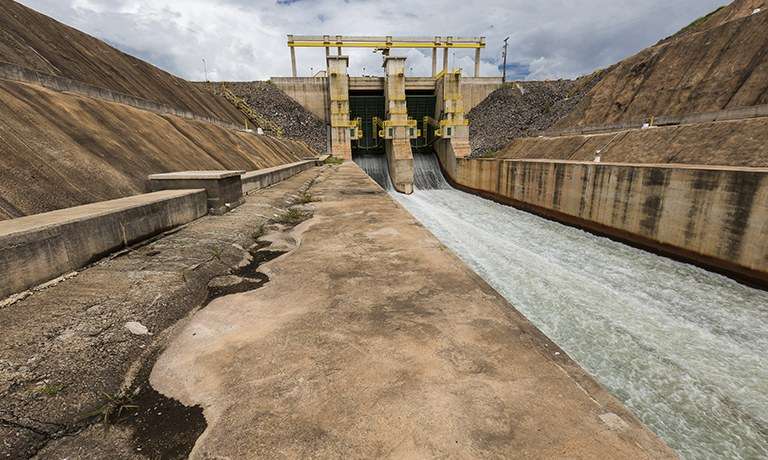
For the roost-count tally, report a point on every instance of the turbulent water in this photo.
(682, 347)
(375, 165)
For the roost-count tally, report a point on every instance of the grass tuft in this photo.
(305, 198)
(113, 409)
(332, 160)
(49, 389)
(293, 216)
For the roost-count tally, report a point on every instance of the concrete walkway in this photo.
(372, 340)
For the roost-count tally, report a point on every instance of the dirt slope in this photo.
(720, 63)
(735, 143)
(35, 41)
(90, 150)
(736, 10)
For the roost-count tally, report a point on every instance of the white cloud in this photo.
(246, 40)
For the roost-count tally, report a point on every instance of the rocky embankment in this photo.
(523, 108)
(270, 102)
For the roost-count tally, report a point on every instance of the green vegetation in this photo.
(113, 409)
(49, 389)
(332, 160)
(306, 197)
(259, 232)
(690, 27)
(217, 252)
(293, 216)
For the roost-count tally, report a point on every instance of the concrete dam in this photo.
(343, 265)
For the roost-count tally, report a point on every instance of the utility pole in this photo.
(504, 64)
(205, 69)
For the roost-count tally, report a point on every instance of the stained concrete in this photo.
(715, 215)
(373, 340)
(224, 188)
(35, 249)
(255, 180)
(65, 350)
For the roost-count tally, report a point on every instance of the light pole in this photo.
(504, 63)
(205, 69)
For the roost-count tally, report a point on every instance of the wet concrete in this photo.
(371, 339)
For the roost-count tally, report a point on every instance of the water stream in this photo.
(682, 347)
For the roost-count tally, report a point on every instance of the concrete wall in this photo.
(310, 92)
(41, 247)
(255, 180)
(475, 89)
(717, 216)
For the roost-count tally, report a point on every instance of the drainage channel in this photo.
(682, 347)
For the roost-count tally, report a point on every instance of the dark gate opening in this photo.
(420, 105)
(366, 105)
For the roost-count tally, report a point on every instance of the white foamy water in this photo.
(682, 347)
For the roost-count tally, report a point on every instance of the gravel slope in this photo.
(296, 121)
(523, 108)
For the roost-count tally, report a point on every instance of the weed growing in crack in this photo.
(292, 216)
(306, 197)
(259, 232)
(49, 389)
(331, 160)
(113, 409)
(217, 253)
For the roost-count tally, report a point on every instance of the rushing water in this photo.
(682, 347)
(375, 165)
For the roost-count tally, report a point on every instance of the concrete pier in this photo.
(397, 138)
(338, 92)
(392, 347)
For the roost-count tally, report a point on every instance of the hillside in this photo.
(734, 143)
(61, 148)
(719, 63)
(33, 40)
(91, 150)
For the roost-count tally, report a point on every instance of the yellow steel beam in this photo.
(385, 45)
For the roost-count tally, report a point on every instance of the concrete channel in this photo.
(391, 347)
(643, 325)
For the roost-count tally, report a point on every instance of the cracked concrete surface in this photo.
(373, 340)
(65, 350)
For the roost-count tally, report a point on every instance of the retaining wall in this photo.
(41, 247)
(716, 216)
(255, 180)
(310, 92)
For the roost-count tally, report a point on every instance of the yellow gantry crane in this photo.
(385, 43)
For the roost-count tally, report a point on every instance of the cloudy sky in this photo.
(246, 39)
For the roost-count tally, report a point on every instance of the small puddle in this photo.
(244, 279)
(163, 427)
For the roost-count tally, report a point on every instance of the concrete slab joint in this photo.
(224, 188)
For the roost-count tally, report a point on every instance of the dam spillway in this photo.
(682, 347)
